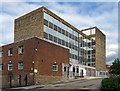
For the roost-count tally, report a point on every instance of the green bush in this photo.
(111, 83)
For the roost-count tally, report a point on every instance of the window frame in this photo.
(22, 50)
(1, 67)
(9, 67)
(19, 66)
(1, 54)
(55, 65)
(10, 52)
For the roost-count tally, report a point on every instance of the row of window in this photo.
(10, 51)
(60, 30)
(61, 42)
(20, 66)
(10, 66)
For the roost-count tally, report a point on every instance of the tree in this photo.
(115, 68)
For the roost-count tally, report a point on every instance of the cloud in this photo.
(79, 14)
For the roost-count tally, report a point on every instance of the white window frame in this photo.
(10, 64)
(20, 67)
(55, 65)
(9, 52)
(20, 50)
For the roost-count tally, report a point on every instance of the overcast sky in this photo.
(82, 15)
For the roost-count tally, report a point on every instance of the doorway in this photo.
(19, 80)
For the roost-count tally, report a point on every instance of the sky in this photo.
(103, 15)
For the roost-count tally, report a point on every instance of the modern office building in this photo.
(85, 49)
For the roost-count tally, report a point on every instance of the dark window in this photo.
(72, 46)
(59, 29)
(76, 57)
(88, 64)
(50, 37)
(64, 69)
(75, 48)
(45, 35)
(77, 69)
(50, 25)
(55, 39)
(76, 39)
(69, 45)
(66, 44)
(70, 35)
(88, 52)
(93, 43)
(63, 42)
(45, 22)
(63, 31)
(55, 27)
(66, 33)
(1, 67)
(59, 41)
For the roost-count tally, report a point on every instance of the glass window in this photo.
(59, 29)
(77, 69)
(65, 69)
(45, 22)
(55, 67)
(20, 65)
(50, 25)
(55, 27)
(10, 52)
(50, 37)
(55, 39)
(1, 67)
(45, 35)
(10, 66)
(21, 50)
(1, 53)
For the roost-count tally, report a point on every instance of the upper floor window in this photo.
(10, 52)
(21, 50)
(1, 53)
(1, 67)
(10, 66)
(20, 65)
(55, 67)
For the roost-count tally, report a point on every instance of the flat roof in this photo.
(55, 16)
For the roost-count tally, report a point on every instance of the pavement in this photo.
(85, 84)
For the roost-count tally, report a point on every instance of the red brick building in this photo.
(19, 59)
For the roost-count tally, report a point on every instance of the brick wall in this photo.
(46, 54)
(100, 50)
(28, 26)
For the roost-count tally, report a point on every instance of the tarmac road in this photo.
(90, 84)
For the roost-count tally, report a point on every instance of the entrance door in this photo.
(19, 80)
(73, 71)
(10, 81)
(82, 73)
(26, 79)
